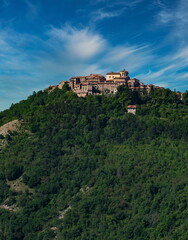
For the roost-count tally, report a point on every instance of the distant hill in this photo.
(84, 168)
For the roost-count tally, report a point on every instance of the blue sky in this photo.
(45, 41)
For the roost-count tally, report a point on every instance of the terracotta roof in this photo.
(113, 73)
(110, 73)
(132, 106)
(93, 74)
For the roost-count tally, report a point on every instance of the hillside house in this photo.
(131, 109)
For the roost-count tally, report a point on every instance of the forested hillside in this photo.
(85, 169)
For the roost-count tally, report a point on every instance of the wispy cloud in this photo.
(168, 71)
(168, 68)
(132, 4)
(32, 9)
(131, 57)
(177, 15)
(160, 4)
(176, 18)
(103, 14)
(112, 9)
(81, 44)
(125, 3)
(161, 72)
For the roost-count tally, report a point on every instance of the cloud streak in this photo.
(112, 9)
(176, 18)
(33, 10)
(103, 14)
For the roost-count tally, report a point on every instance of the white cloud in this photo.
(81, 44)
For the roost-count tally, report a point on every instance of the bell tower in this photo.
(124, 73)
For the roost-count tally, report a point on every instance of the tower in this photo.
(124, 73)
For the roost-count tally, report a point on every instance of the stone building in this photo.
(96, 84)
(62, 83)
(116, 76)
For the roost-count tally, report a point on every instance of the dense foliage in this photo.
(92, 171)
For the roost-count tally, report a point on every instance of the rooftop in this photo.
(132, 106)
(110, 73)
(114, 73)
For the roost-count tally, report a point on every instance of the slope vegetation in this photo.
(93, 171)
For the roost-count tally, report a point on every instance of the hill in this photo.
(83, 168)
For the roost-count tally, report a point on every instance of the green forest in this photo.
(88, 170)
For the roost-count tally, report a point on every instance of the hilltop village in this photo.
(96, 84)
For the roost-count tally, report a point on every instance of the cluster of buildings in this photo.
(96, 84)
